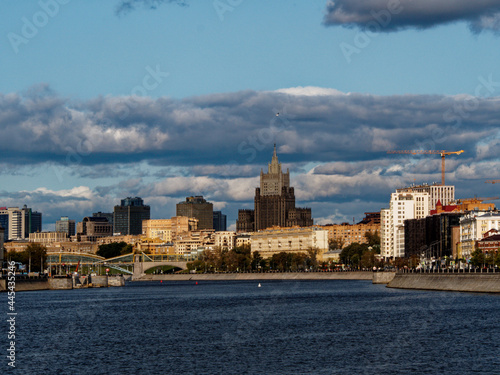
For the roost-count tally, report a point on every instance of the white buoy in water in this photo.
(259, 285)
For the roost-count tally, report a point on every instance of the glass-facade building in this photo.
(128, 216)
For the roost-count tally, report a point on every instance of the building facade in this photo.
(246, 221)
(403, 206)
(65, 225)
(473, 226)
(490, 243)
(274, 202)
(299, 240)
(225, 240)
(128, 216)
(168, 229)
(20, 222)
(220, 221)
(445, 194)
(432, 236)
(47, 237)
(107, 215)
(198, 208)
(347, 234)
(92, 228)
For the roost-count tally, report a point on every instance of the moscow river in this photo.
(237, 327)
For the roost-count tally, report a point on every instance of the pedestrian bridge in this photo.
(131, 264)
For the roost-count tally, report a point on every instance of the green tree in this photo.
(16, 256)
(497, 258)
(197, 265)
(335, 243)
(312, 260)
(256, 261)
(36, 255)
(127, 249)
(477, 258)
(112, 250)
(368, 259)
(373, 238)
(352, 254)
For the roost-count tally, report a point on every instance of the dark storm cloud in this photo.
(395, 15)
(126, 6)
(233, 134)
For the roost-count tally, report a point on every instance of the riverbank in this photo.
(475, 282)
(352, 275)
(22, 284)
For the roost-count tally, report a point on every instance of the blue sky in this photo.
(171, 98)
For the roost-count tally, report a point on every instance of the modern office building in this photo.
(198, 208)
(65, 225)
(220, 221)
(20, 222)
(4, 222)
(431, 236)
(274, 202)
(128, 216)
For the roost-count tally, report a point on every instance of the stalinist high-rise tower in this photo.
(274, 203)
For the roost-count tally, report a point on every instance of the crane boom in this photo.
(443, 154)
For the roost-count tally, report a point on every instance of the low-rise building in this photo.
(243, 239)
(48, 237)
(168, 229)
(276, 240)
(85, 247)
(490, 243)
(347, 234)
(225, 240)
(16, 246)
(473, 226)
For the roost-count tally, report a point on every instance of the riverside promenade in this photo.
(350, 275)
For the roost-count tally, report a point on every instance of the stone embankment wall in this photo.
(262, 276)
(58, 284)
(383, 277)
(63, 283)
(479, 282)
(116, 281)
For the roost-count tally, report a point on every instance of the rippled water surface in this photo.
(287, 327)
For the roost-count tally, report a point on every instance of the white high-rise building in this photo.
(20, 222)
(443, 193)
(403, 206)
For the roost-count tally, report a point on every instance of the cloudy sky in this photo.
(100, 100)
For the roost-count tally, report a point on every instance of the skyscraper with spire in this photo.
(274, 203)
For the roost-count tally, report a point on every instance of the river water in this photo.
(282, 327)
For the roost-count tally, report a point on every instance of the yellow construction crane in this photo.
(492, 182)
(443, 153)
